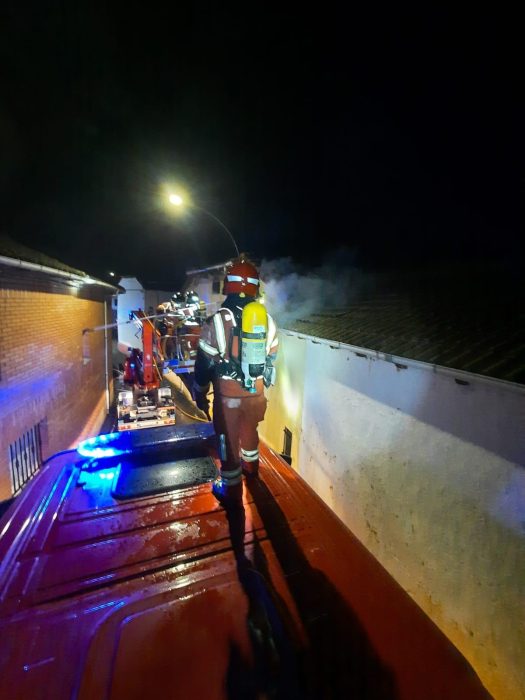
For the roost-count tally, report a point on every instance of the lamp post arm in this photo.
(195, 206)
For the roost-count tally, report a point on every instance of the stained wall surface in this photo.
(427, 467)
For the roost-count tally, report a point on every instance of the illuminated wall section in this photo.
(133, 298)
(53, 376)
(430, 475)
(286, 397)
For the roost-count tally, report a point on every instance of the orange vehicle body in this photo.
(168, 595)
(143, 403)
(141, 368)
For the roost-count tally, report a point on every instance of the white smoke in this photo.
(292, 292)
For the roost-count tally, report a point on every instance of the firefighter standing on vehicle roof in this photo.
(196, 307)
(167, 327)
(237, 350)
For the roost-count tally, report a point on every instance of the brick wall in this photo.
(48, 372)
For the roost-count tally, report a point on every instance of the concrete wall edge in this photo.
(469, 377)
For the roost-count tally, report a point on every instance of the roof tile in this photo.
(481, 332)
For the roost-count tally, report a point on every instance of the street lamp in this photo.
(177, 201)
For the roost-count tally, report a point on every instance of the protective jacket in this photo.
(219, 351)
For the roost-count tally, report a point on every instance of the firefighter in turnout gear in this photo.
(237, 350)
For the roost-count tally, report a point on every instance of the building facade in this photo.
(208, 283)
(425, 465)
(55, 379)
(136, 296)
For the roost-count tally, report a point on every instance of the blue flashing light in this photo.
(110, 445)
(100, 452)
(103, 479)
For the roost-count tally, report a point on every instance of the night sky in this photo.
(394, 133)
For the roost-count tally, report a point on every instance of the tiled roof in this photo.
(12, 249)
(476, 330)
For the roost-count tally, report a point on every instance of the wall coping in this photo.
(461, 376)
(24, 265)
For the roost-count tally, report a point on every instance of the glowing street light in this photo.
(177, 201)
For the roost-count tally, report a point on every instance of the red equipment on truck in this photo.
(147, 404)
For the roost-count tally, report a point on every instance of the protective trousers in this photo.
(237, 419)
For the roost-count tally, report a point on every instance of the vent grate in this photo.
(286, 454)
(25, 457)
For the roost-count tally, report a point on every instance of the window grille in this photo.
(25, 457)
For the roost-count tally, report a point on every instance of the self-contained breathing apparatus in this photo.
(246, 359)
(254, 332)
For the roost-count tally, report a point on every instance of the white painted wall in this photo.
(136, 297)
(203, 284)
(132, 299)
(429, 475)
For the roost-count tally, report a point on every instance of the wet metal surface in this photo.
(170, 596)
(136, 481)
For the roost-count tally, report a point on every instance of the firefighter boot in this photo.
(227, 489)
